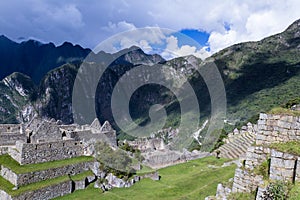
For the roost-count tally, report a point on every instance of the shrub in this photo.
(276, 191)
(263, 169)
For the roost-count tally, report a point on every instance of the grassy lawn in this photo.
(192, 180)
(10, 163)
(287, 147)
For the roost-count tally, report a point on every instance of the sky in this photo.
(214, 24)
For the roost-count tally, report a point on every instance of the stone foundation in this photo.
(245, 181)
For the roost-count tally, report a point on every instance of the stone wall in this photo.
(283, 166)
(32, 177)
(244, 181)
(3, 150)
(255, 156)
(148, 145)
(46, 193)
(4, 195)
(46, 131)
(11, 138)
(277, 128)
(87, 136)
(28, 153)
(10, 128)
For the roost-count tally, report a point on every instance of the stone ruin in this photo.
(157, 150)
(271, 128)
(41, 141)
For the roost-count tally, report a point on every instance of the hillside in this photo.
(35, 59)
(257, 76)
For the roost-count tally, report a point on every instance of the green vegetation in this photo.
(277, 191)
(241, 196)
(220, 141)
(294, 193)
(263, 169)
(38, 185)
(115, 161)
(190, 180)
(82, 175)
(287, 147)
(7, 186)
(284, 111)
(10, 163)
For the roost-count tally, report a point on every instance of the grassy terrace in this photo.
(284, 111)
(291, 147)
(7, 186)
(82, 175)
(10, 163)
(191, 180)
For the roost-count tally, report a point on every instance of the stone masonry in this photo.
(37, 176)
(42, 141)
(283, 166)
(30, 153)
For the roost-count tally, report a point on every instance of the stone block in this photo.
(276, 154)
(263, 116)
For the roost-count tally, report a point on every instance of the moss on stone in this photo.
(291, 147)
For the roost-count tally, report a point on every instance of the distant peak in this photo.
(66, 44)
(294, 26)
(133, 48)
(3, 37)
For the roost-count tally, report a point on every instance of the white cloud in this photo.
(93, 22)
(173, 50)
(145, 38)
(121, 26)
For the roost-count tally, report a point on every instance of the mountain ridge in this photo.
(252, 72)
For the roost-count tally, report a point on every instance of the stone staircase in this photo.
(236, 145)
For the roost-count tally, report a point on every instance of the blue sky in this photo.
(214, 24)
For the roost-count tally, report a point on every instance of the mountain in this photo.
(257, 76)
(36, 59)
(261, 75)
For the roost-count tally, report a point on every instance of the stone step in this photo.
(237, 145)
(230, 150)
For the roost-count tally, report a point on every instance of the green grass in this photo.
(10, 163)
(191, 180)
(287, 147)
(284, 111)
(5, 184)
(241, 196)
(39, 185)
(263, 169)
(294, 193)
(82, 175)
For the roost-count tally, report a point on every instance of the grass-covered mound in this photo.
(191, 180)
